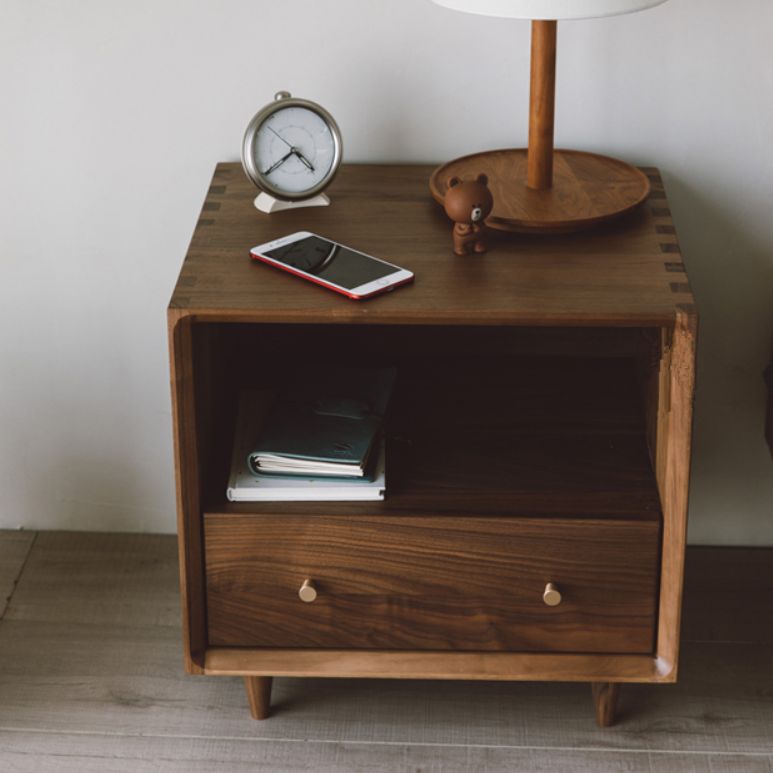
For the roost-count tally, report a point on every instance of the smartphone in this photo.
(332, 265)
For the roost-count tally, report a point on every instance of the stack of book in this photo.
(318, 438)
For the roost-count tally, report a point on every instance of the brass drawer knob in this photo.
(308, 591)
(551, 596)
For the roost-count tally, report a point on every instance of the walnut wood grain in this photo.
(189, 479)
(611, 276)
(722, 701)
(396, 664)
(605, 695)
(586, 190)
(673, 471)
(542, 101)
(258, 695)
(431, 583)
(607, 292)
(534, 436)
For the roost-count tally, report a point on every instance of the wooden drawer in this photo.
(432, 583)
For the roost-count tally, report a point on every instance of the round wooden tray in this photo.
(588, 189)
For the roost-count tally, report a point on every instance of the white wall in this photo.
(115, 112)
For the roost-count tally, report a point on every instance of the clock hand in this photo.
(294, 150)
(279, 163)
(303, 159)
(280, 137)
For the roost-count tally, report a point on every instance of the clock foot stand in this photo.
(605, 700)
(258, 695)
(268, 204)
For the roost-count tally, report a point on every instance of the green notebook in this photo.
(324, 423)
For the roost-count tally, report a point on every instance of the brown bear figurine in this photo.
(468, 204)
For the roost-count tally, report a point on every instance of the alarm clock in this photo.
(291, 151)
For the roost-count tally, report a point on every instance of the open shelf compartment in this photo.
(482, 422)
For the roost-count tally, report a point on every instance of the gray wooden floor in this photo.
(91, 681)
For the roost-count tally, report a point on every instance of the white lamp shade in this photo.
(548, 9)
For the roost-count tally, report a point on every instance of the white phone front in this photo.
(332, 265)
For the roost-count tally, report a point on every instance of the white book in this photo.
(245, 486)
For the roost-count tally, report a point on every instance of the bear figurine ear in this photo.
(482, 178)
(453, 181)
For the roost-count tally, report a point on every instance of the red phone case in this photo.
(339, 290)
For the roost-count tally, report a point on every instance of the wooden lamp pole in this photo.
(540, 189)
(542, 105)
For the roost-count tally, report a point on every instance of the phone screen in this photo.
(332, 262)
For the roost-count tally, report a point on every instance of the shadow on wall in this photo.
(731, 272)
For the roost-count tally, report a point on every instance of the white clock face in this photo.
(294, 149)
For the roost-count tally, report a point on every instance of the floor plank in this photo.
(91, 679)
(62, 753)
(14, 548)
(96, 678)
(84, 577)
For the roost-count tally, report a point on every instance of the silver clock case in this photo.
(283, 100)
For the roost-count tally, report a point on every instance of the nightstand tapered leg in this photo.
(605, 700)
(258, 695)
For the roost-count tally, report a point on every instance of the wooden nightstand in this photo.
(538, 449)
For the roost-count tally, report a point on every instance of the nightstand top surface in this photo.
(627, 273)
